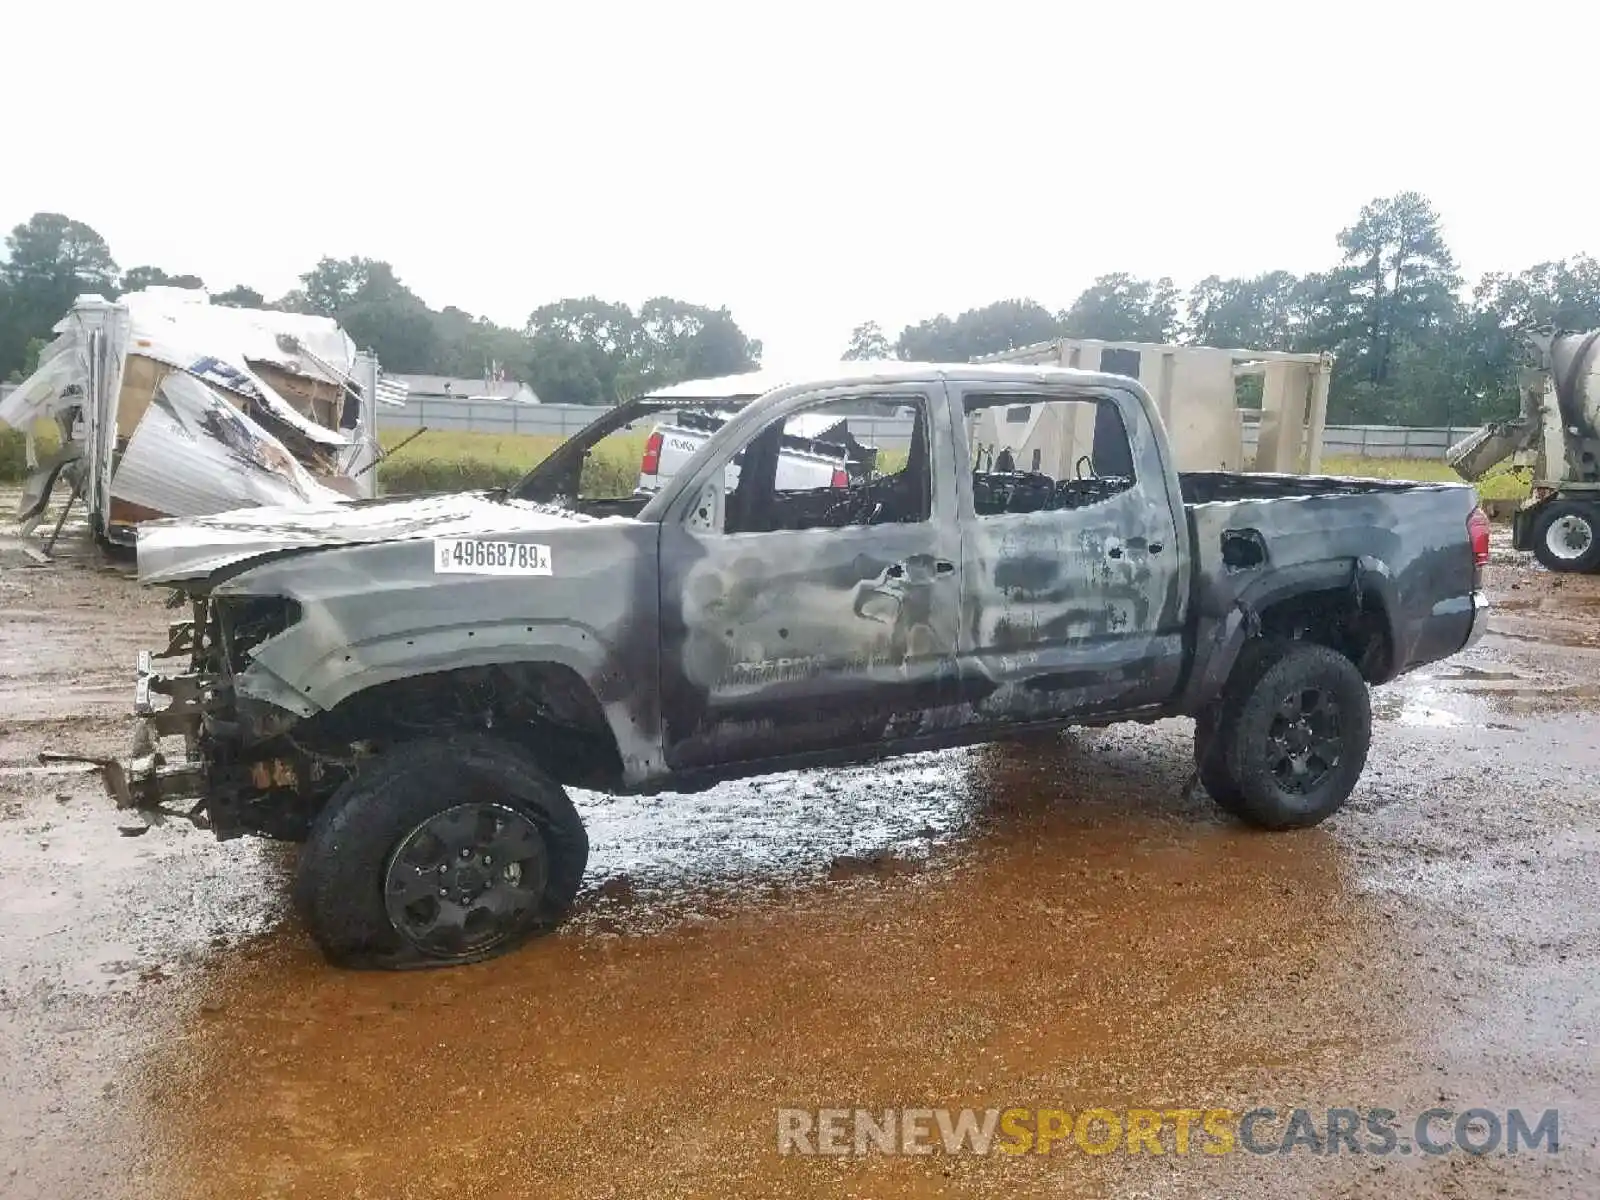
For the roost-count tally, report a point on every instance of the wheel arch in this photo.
(544, 660)
(544, 705)
(1349, 605)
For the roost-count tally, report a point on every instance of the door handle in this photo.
(943, 567)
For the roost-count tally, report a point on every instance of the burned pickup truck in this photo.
(409, 685)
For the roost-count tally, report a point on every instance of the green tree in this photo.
(11, 354)
(562, 371)
(377, 310)
(136, 279)
(401, 332)
(294, 301)
(335, 285)
(711, 344)
(1564, 294)
(1003, 325)
(1122, 308)
(50, 248)
(240, 297)
(1396, 283)
(605, 336)
(1487, 340)
(868, 343)
(1267, 312)
(50, 261)
(591, 351)
(474, 347)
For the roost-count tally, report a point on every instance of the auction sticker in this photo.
(472, 556)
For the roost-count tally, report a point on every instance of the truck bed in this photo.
(1404, 545)
(1212, 487)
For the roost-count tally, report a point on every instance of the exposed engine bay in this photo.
(262, 770)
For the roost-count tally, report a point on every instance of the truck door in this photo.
(1071, 589)
(811, 618)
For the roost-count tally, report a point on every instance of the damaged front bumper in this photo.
(197, 739)
(149, 780)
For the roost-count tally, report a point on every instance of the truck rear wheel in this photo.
(443, 851)
(1291, 739)
(1212, 766)
(1566, 537)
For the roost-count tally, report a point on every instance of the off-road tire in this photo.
(1589, 560)
(1212, 766)
(1235, 758)
(339, 890)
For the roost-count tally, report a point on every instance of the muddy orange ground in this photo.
(1061, 924)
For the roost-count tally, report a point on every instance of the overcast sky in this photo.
(809, 165)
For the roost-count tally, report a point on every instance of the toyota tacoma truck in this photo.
(410, 685)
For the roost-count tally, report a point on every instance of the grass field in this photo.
(517, 453)
(442, 459)
(1507, 486)
(450, 461)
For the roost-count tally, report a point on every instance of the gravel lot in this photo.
(1061, 923)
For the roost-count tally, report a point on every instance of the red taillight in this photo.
(652, 455)
(1478, 532)
(840, 479)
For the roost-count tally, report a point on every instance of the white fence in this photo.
(1379, 441)
(891, 433)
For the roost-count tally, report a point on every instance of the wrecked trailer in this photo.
(170, 406)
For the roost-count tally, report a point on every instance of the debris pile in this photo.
(170, 406)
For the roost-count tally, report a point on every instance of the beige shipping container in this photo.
(1195, 389)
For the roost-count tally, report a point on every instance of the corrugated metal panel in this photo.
(392, 391)
(193, 454)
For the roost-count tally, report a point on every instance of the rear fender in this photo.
(1370, 581)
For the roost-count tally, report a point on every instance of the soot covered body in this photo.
(728, 625)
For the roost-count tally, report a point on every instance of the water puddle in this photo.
(1420, 702)
(1070, 914)
(1462, 694)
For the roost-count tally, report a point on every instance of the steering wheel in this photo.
(1084, 468)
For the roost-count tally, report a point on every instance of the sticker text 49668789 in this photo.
(472, 556)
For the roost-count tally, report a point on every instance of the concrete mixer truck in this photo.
(1557, 434)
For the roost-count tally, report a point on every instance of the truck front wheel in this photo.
(1290, 741)
(1566, 537)
(442, 851)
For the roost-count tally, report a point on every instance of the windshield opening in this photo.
(615, 464)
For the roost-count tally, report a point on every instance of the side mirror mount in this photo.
(706, 516)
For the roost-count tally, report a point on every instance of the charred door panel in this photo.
(804, 640)
(1071, 591)
(789, 640)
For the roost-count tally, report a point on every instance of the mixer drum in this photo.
(1575, 370)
